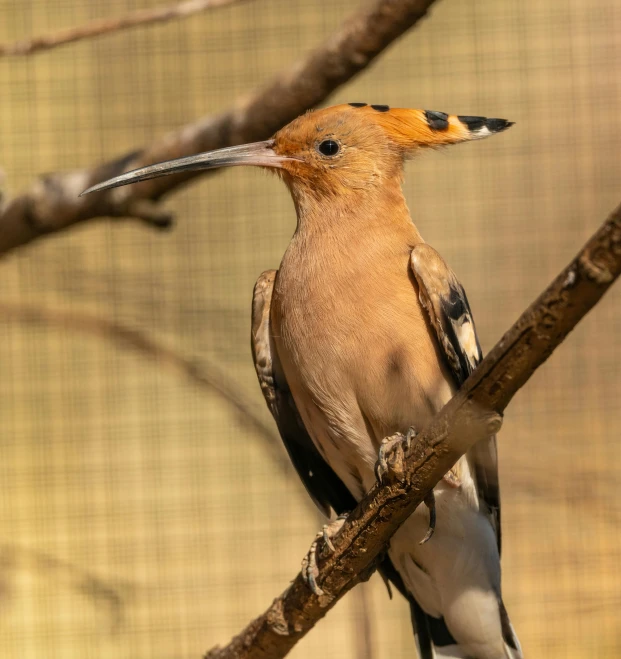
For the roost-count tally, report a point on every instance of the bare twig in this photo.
(110, 595)
(52, 204)
(473, 414)
(107, 25)
(202, 372)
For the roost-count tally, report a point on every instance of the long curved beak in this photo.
(260, 154)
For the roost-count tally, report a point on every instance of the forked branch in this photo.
(473, 414)
(52, 204)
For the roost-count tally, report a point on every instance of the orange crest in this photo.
(410, 129)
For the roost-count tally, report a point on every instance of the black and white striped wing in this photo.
(446, 304)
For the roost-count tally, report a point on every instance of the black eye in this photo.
(329, 148)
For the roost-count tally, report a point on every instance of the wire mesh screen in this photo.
(147, 508)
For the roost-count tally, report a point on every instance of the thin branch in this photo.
(107, 25)
(111, 595)
(52, 204)
(201, 372)
(473, 414)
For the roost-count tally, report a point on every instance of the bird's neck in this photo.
(379, 210)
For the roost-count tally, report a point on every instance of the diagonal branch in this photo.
(202, 372)
(473, 414)
(107, 25)
(52, 204)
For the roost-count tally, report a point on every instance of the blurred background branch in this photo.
(103, 26)
(201, 371)
(52, 204)
(108, 597)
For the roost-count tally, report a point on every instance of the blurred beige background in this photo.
(141, 517)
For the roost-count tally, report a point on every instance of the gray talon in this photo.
(310, 571)
(410, 435)
(382, 466)
(387, 445)
(326, 538)
(430, 502)
(312, 583)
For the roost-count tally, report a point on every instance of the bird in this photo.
(364, 333)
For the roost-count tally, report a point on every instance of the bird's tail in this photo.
(435, 641)
(431, 633)
(513, 647)
(433, 638)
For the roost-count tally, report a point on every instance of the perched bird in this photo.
(364, 331)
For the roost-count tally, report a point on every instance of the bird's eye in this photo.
(329, 148)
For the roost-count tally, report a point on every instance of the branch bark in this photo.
(108, 25)
(52, 204)
(473, 414)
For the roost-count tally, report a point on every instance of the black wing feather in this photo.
(449, 312)
(324, 486)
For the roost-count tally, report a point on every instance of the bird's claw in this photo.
(393, 444)
(326, 538)
(310, 571)
(430, 502)
(452, 480)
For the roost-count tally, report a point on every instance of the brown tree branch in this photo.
(52, 204)
(473, 414)
(107, 25)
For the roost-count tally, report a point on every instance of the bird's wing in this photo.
(445, 301)
(324, 486)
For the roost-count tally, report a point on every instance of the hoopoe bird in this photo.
(363, 332)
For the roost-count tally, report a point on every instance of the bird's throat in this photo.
(381, 211)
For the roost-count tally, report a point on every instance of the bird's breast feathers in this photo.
(357, 349)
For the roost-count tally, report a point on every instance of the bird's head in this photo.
(337, 150)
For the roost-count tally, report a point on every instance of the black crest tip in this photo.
(498, 125)
(475, 124)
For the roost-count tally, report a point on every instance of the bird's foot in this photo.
(390, 459)
(430, 502)
(391, 453)
(310, 571)
(451, 479)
